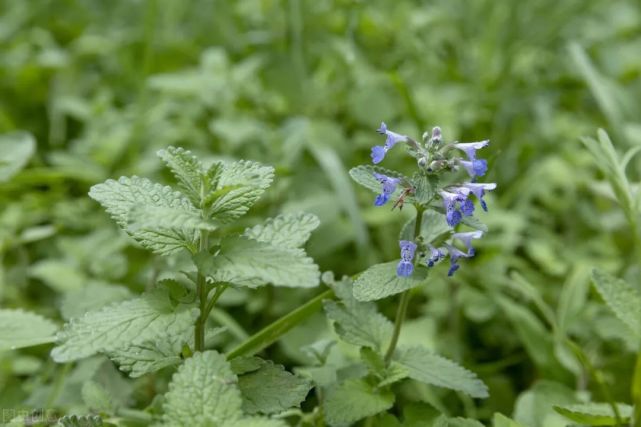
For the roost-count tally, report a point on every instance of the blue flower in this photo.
(479, 189)
(379, 151)
(405, 266)
(388, 187)
(455, 254)
(474, 168)
(470, 148)
(455, 205)
(466, 238)
(436, 254)
(378, 154)
(467, 207)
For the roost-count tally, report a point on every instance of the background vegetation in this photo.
(302, 85)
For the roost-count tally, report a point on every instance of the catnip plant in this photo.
(169, 324)
(444, 227)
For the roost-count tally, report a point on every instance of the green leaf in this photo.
(203, 392)
(500, 420)
(594, 414)
(357, 322)
(58, 275)
(80, 421)
(364, 175)
(623, 299)
(92, 297)
(353, 400)
(144, 217)
(474, 222)
(187, 169)
(120, 197)
(149, 356)
(16, 149)
(424, 188)
(286, 230)
(151, 317)
(246, 262)
(443, 421)
(96, 397)
(248, 181)
(380, 281)
(433, 227)
(429, 368)
(20, 328)
(255, 422)
(268, 388)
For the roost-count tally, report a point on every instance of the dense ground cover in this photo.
(91, 91)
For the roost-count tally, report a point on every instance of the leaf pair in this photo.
(164, 220)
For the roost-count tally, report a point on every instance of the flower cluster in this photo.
(434, 158)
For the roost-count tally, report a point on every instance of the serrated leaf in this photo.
(16, 148)
(246, 262)
(143, 217)
(380, 281)
(92, 297)
(20, 329)
(364, 175)
(119, 197)
(149, 356)
(187, 169)
(268, 388)
(594, 414)
(148, 318)
(424, 188)
(203, 392)
(429, 368)
(80, 421)
(623, 299)
(354, 400)
(248, 181)
(358, 323)
(286, 230)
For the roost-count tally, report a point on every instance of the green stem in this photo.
(222, 287)
(405, 296)
(598, 378)
(398, 323)
(201, 291)
(274, 331)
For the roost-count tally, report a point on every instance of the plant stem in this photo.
(398, 322)
(201, 291)
(219, 291)
(598, 378)
(274, 331)
(405, 297)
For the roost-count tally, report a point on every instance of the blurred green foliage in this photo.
(302, 85)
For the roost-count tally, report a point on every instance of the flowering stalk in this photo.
(453, 202)
(405, 297)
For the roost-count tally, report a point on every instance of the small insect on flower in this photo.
(405, 266)
(401, 200)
